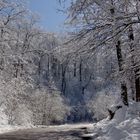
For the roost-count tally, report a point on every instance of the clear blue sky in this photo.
(51, 19)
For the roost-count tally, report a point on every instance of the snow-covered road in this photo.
(64, 132)
(128, 129)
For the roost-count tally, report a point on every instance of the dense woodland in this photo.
(53, 78)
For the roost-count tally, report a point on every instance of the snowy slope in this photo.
(124, 126)
(126, 130)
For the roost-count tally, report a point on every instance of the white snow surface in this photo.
(126, 130)
(124, 126)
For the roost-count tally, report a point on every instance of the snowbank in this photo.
(126, 130)
(122, 127)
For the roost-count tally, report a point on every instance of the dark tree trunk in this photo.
(80, 71)
(48, 64)
(74, 73)
(135, 68)
(54, 66)
(137, 82)
(124, 93)
(119, 56)
(82, 88)
(63, 83)
(120, 60)
(123, 83)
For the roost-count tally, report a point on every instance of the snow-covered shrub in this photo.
(14, 93)
(100, 104)
(49, 107)
(23, 116)
(3, 117)
(17, 114)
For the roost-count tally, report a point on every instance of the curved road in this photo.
(46, 133)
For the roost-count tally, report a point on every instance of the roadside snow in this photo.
(126, 130)
(9, 128)
(123, 127)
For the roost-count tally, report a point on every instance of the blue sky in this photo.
(51, 19)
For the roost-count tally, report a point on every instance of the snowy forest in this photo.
(87, 74)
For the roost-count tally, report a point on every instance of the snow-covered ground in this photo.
(128, 129)
(54, 128)
(110, 130)
(124, 126)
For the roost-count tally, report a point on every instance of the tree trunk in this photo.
(74, 71)
(63, 83)
(120, 58)
(80, 71)
(135, 68)
(123, 83)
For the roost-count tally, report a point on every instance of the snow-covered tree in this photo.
(49, 107)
